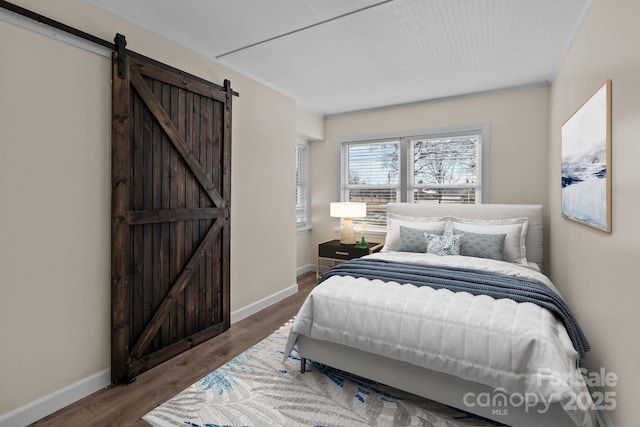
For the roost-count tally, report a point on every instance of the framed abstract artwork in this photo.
(586, 162)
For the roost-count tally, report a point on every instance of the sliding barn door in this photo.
(170, 213)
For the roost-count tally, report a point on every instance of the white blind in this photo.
(373, 164)
(302, 185)
(373, 171)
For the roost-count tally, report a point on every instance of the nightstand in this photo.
(333, 250)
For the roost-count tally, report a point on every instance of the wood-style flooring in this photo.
(124, 405)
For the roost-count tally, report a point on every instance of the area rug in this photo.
(258, 389)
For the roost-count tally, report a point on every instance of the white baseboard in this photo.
(33, 411)
(250, 309)
(305, 269)
(57, 400)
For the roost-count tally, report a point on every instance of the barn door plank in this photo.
(173, 215)
(119, 227)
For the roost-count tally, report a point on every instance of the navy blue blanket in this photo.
(475, 282)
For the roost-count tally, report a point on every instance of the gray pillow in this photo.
(412, 239)
(481, 245)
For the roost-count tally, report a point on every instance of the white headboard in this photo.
(535, 252)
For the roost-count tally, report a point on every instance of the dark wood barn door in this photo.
(170, 213)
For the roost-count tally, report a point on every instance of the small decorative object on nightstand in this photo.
(335, 251)
(363, 229)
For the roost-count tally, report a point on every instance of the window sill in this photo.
(303, 230)
(374, 234)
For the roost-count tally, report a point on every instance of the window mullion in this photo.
(404, 169)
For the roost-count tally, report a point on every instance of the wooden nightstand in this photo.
(333, 250)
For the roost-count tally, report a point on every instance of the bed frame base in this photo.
(433, 385)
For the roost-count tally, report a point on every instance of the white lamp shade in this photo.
(348, 209)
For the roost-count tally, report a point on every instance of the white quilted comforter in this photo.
(519, 347)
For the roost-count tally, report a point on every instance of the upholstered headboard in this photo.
(534, 213)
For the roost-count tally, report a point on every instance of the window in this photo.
(372, 171)
(302, 186)
(429, 166)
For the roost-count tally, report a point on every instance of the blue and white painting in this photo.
(585, 170)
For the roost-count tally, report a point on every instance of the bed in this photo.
(503, 358)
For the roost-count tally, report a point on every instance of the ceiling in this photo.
(336, 56)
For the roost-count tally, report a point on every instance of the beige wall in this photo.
(309, 126)
(518, 130)
(55, 172)
(305, 256)
(596, 271)
(55, 221)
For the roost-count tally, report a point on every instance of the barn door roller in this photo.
(121, 43)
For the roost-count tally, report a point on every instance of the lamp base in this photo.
(348, 237)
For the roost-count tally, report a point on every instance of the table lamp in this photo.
(348, 210)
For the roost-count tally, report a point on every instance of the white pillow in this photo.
(394, 221)
(514, 249)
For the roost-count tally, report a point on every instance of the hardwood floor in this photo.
(124, 405)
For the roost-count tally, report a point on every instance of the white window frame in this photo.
(304, 208)
(403, 187)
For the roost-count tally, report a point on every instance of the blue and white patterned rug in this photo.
(258, 389)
